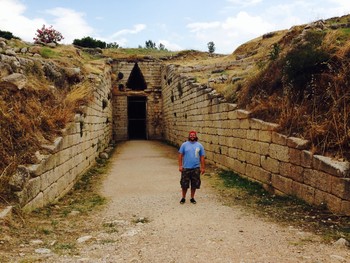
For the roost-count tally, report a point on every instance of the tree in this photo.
(47, 35)
(113, 45)
(7, 35)
(162, 47)
(211, 47)
(89, 42)
(150, 44)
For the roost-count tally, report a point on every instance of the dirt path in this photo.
(144, 221)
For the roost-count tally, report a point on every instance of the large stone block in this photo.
(279, 152)
(340, 187)
(250, 146)
(33, 187)
(35, 203)
(298, 143)
(253, 135)
(241, 155)
(269, 164)
(291, 171)
(345, 208)
(232, 152)
(245, 124)
(318, 180)
(47, 179)
(295, 156)
(253, 158)
(265, 136)
(233, 142)
(278, 138)
(334, 167)
(282, 184)
(239, 133)
(320, 198)
(303, 192)
(334, 204)
(237, 166)
(306, 159)
(258, 173)
(50, 194)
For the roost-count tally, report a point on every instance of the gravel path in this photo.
(144, 222)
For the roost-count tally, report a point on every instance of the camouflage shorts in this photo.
(190, 176)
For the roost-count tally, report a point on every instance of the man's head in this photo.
(192, 136)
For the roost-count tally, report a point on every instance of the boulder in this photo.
(15, 80)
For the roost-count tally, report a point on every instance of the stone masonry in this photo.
(176, 104)
(151, 73)
(72, 154)
(251, 147)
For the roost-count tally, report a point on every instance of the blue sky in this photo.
(177, 24)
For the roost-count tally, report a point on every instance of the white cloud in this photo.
(245, 3)
(247, 24)
(170, 46)
(197, 27)
(120, 36)
(70, 24)
(136, 29)
(231, 32)
(339, 7)
(13, 20)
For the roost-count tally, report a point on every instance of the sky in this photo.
(177, 24)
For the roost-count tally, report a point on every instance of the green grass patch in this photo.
(47, 52)
(231, 179)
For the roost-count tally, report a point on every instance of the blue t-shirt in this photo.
(191, 151)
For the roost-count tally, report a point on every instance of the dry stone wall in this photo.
(72, 154)
(251, 147)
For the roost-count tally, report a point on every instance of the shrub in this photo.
(275, 51)
(47, 35)
(150, 45)
(304, 61)
(113, 45)
(7, 35)
(89, 42)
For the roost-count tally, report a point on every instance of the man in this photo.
(191, 165)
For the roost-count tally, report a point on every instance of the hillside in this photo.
(298, 78)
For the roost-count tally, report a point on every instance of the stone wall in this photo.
(151, 73)
(72, 154)
(251, 147)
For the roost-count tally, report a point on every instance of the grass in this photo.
(137, 53)
(237, 191)
(46, 52)
(59, 225)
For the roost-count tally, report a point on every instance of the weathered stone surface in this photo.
(334, 167)
(6, 214)
(103, 155)
(15, 79)
(19, 178)
(318, 180)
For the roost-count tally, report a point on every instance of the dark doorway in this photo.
(136, 81)
(137, 118)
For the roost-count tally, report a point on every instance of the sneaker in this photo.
(193, 201)
(182, 201)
